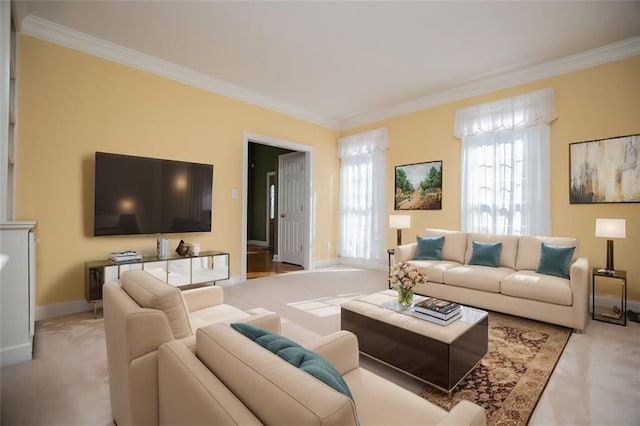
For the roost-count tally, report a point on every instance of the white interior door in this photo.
(291, 208)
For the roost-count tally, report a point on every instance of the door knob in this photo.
(282, 215)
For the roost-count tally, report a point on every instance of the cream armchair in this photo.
(141, 313)
(230, 380)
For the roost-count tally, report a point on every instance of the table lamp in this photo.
(399, 222)
(610, 228)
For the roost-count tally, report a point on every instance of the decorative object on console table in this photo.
(404, 277)
(610, 228)
(162, 247)
(399, 222)
(609, 298)
(418, 186)
(182, 248)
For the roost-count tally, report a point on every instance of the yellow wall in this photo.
(73, 104)
(594, 103)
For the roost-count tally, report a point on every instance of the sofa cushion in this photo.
(149, 292)
(251, 372)
(429, 248)
(530, 249)
(435, 269)
(484, 278)
(534, 286)
(509, 247)
(555, 260)
(454, 245)
(296, 355)
(487, 254)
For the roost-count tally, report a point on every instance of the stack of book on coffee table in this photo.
(438, 311)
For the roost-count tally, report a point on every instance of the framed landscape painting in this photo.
(605, 171)
(419, 186)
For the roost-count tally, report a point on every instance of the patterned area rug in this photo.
(511, 377)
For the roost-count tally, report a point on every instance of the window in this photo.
(505, 165)
(362, 232)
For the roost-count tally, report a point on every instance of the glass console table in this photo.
(183, 272)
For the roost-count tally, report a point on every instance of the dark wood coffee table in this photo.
(439, 355)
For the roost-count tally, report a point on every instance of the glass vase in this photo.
(405, 296)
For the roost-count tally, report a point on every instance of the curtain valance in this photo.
(363, 143)
(528, 110)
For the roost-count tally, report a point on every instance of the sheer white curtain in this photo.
(505, 164)
(362, 233)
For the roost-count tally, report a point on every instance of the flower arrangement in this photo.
(404, 277)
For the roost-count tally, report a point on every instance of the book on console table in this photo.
(124, 256)
(439, 308)
(436, 320)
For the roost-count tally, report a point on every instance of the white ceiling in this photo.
(343, 64)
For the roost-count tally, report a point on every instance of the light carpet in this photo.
(509, 380)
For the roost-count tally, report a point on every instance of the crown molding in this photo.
(58, 34)
(52, 32)
(612, 52)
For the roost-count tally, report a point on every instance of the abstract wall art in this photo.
(605, 171)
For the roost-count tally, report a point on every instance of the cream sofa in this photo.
(514, 287)
(230, 380)
(142, 312)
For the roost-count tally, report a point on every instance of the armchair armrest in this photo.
(203, 297)
(190, 394)
(405, 252)
(340, 349)
(465, 413)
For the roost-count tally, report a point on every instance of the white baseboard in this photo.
(326, 263)
(59, 309)
(380, 265)
(258, 243)
(16, 354)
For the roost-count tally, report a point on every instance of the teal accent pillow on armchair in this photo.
(555, 260)
(486, 254)
(306, 360)
(429, 248)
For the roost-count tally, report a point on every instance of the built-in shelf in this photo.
(8, 106)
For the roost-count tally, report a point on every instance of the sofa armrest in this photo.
(405, 252)
(203, 297)
(465, 413)
(269, 321)
(579, 275)
(340, 349)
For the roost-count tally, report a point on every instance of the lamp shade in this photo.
(611, 228)
(399, 221)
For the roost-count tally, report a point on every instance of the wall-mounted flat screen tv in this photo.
(140, 195)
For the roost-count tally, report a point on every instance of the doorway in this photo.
(256, 243)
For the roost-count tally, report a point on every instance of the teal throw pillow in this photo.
(306, 360)
(555, 260)
(486, 254)
(429, 248)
